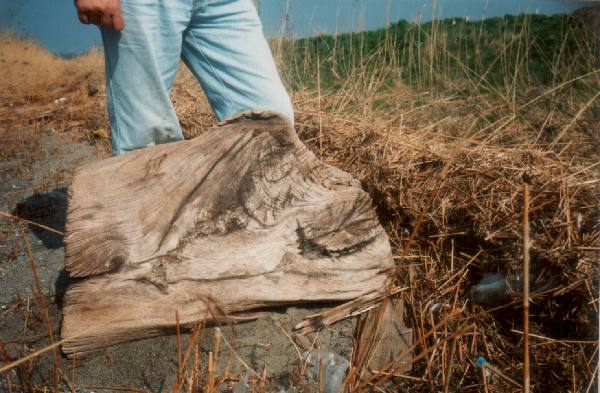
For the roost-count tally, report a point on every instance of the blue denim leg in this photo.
(141, 64)
(222, 43)
(225, 48)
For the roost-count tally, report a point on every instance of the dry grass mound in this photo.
(45, 92)
(29, 72)
(474, 225)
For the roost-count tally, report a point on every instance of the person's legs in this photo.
(225, 48)
(141, 64)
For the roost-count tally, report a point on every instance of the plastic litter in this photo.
(241, 385)
(494, 288)
(334, 369)
(479, 363)
(437, 306)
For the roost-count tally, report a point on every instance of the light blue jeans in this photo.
(222, 43)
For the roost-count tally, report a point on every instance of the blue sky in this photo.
(56, 25)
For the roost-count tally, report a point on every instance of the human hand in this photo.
(106, 13)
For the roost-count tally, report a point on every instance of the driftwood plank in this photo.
(243, 214)
(388, 340)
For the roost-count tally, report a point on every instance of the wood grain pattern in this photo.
(391, 337)
(243, 214)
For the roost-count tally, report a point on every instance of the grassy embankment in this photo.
(495, 66)
(390, 107)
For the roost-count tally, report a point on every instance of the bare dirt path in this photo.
(35, 172)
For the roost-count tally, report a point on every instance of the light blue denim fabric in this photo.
(222, 43)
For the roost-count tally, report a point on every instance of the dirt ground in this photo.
(34, 177)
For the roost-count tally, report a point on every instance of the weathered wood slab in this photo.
(244, 214)
(391, 337)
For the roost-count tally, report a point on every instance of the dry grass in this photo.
(472, 227)
(397, 140)
(42, 91)
(30, 73)
(26, 67)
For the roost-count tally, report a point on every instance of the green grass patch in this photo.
(500, 53)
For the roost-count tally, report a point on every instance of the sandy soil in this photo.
(34, 177)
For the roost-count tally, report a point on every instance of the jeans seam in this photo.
(116, 138)
(215, 74)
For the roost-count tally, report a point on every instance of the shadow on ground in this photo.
(48, 209)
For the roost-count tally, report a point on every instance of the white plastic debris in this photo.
(334, 368)
(241, 385)
(437, 306)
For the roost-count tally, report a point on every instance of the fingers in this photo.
(105, 21)
(114, 22)
(105, 13)
(118, 23)
(94, 18)
(83, 18)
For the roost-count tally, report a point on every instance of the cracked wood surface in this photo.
(244, 215)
